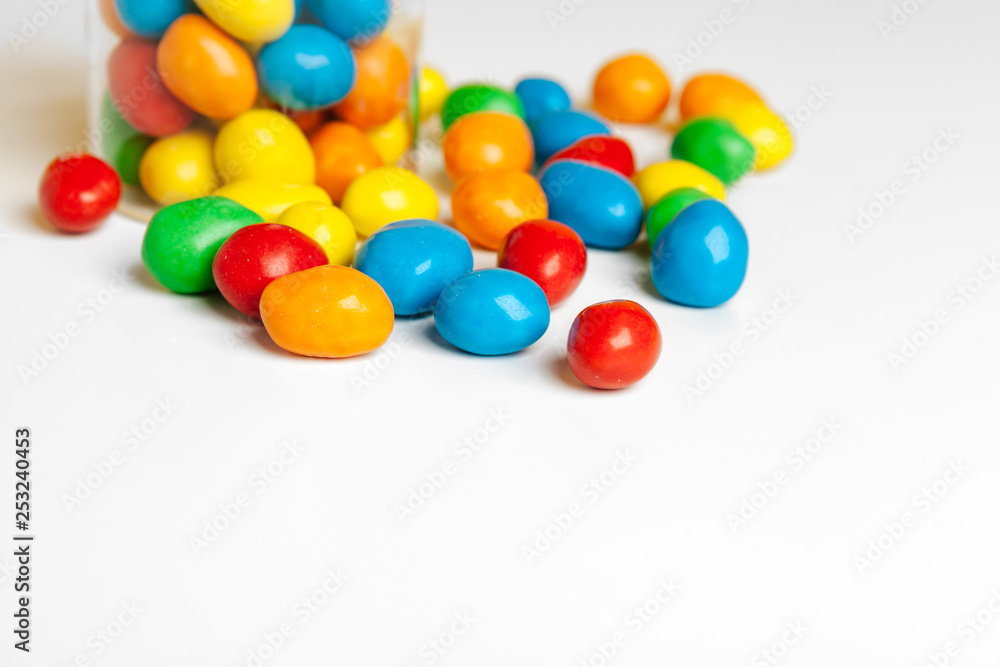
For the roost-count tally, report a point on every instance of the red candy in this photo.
(138, 92)
(604, 151)
(78, 192)
(254, 256)
(548, 252)
(613, 345)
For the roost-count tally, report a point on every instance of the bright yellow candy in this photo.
(251, 20)
(657, 180)
(264, 144)
(387, 194)
(390, 140)
(764, 129)
(269, 199)
(179, 167)
(326, 225)
(433, 92)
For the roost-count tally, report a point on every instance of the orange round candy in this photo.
(382, 87)
(706, 94)
(488, 140)
(327, 311)
(343, 152)
(631, 89)
(206, 69)
(488, 204)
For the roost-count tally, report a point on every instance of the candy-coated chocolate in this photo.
(357, 21)
(150, 18)
(391, 140)
(663, 212)
(179, 167)
(269, 199)
(433, 92)
(541, 96)
(700, 259)
(560, 129)
(343, 152)
(548, 252)
(768, 133)
(610, 152)
(708, 94)
(253, 21)
(182, 239)
(328, 311)
(613, 345)
(138, 92)
(264, 144)
(308, 68)
(205, 68)
(255, 256)
(78, 192)
(122, 145)
(388, 194)
(492, 312)
(413, 261)
(488, 204)
(631, 89)
(658, 179)
(600, 204)
(477, 97)
(382, 88)
(715, 145)
(325, 224)
(487, 140)
(111, 19)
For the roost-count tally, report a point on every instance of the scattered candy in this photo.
(253, 21)
(433, 92)
(657, 180)
(631, 89)
(473, 98)
(487, 140)
(715, 145)
(343, 152)
(548, 252)
(138, 92)
(541, 96)
(488, 204)
(270, 200)
(327, 225)
(388, 194)
(308, 68)
(382, 89)
(78, 192)
(610, 152)
(708, 94)
(561, 129)
(266, 145)
(663, 212)
(613, 345)
(768, 133)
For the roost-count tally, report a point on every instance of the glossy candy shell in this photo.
(558, 130)
(308, 68)
(613, 345)
(548, 252)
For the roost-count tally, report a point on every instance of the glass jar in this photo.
(113, 134)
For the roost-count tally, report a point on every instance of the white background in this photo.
(239, 397)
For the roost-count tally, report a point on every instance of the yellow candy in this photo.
(764, 129)
(326, 225)
(269, 199)
(387, 194)
(433, 92)
(657, 180)
(390, 140)
(266, 145)
(251, 20)
(179, 167)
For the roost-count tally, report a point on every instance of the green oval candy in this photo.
(181, 241)
(663, 212)
(470, 99)
(715, 145)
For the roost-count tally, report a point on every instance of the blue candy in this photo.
(357, 21)
(308, 68)
(490, 312)
(600, 204)
(556, 130)
(700, 259)
(151, 18)
(413, 261)
(541, 96)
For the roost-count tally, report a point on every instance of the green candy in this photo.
(716, 146)
(663, 212)
(182, 239)
(470, 99)
(122, 145)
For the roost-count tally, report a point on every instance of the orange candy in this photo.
(343, 152)
(485, 141)
(706, 94)
(488, 204)
(631, 89)
(327, 311)
(206, 69)
(382, 88)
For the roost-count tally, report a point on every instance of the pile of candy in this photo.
(270, 168)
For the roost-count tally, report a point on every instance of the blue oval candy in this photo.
(556, 130)
(490, 312)
(357, 21)
(600, 204)
(308, 68)
(541, 96)
(413, 261)
(151, 18)
(700, 259)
